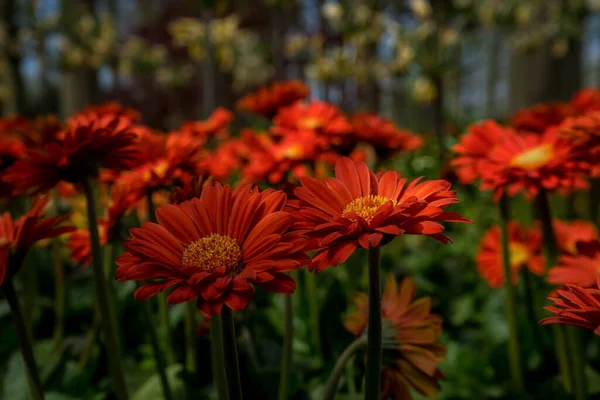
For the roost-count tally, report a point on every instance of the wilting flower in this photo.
(359, 208)
(17, 236)
(411, 359)
(474, 148)
(267, 101)
(215, 248)
(89, 143)
(524, 246)
(214, 126)
(569, 233)
(577, 306)
(539, 118)
(528, 162)
(386, 138)
(581, 269)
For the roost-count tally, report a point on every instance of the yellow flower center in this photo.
(214, 251)
(294, 152)
(366, 206)
(533, 158)
(310, 123)
(518, 254)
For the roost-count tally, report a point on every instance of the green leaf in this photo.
(152, 389)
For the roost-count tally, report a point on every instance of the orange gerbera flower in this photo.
(267, 101)
(539, 118)
(359, 208)
(528, 162)
(581, 269)
(386, 138)
(524, 246)
(578, 307)
(412, 358)
(474, 147)
(89, 143)
(584, 133)
(16, 237)
(110, 109)
(214, 126)
(215, 248)
(224, 160)
(569, 233)
(586, 100)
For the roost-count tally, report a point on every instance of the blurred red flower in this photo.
(581, 268)
(584, 133)
(577, 306)
(111, 109)
(524, 246)
(586, 100)
(412, 357)
(17, 236)
(214, 126)
(214, 248)
(539, 118)
(359, 208)
(267, 101)
(569, 233)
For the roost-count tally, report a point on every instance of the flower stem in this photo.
(313, 310)
(514, 347)
(216, 348)
(578, 363)
(288, 338)
(374, 352)
(190, 337)
(230, 356)
(563, 356)
(332, 383)
(59, 295)
(35, 384)
(158, 355)
(102, 295)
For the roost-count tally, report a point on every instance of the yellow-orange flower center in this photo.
(214, 251)
(366, 206)
(518, 254)
(294, 152)
(533, 158)
(310, 123)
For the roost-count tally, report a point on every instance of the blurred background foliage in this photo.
(430, 65)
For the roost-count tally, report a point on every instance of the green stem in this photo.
(59, 295)
(230, 356)
(374, 352)
(110, 331)
(578, 362)
(331, 387)
(90, 339)
(158, 355)
(313, 310)
(350, 378)
(514, 353)
(190, 337)
(216, 349)
(35, 384)
(288, 338)
(560, 343)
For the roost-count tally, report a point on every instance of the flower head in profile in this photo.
(576, 306)
(473, 149)
(569, 233)
(539, 118)
(529, 162)
(214, 126)
(584, 133)
(110, 109)
(412, 357)
(580, 269)
(89, 143)
(359, 208)
(17, 236)
(586, 100)
(215, 249)
(267, 101)
(386, 138)
(524, 246)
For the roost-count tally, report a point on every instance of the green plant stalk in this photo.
(33, 377)
(108, 324)
(313, 310)
(552, 253)
(30, 289)
(230, 356)
(374, 349)
(287, 348)
(189, 322)
(59, 295)
(90, 339)
(331, 387)
(216, 349)
(350, 377)
(514, 346)
(578, 362)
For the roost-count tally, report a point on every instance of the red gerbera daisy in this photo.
(586, 100)
(584, 133)
(16, 237)
(214, 126)
(581, 269)
(267, 101)
(359, 208)
(578, 307)
(569, 233)
(528, 162)
(214, 248)
(89, 143)
(474, 148)
(524, 252)
(386, 138)
(412, 357)
(539, 118)
(110, 109)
